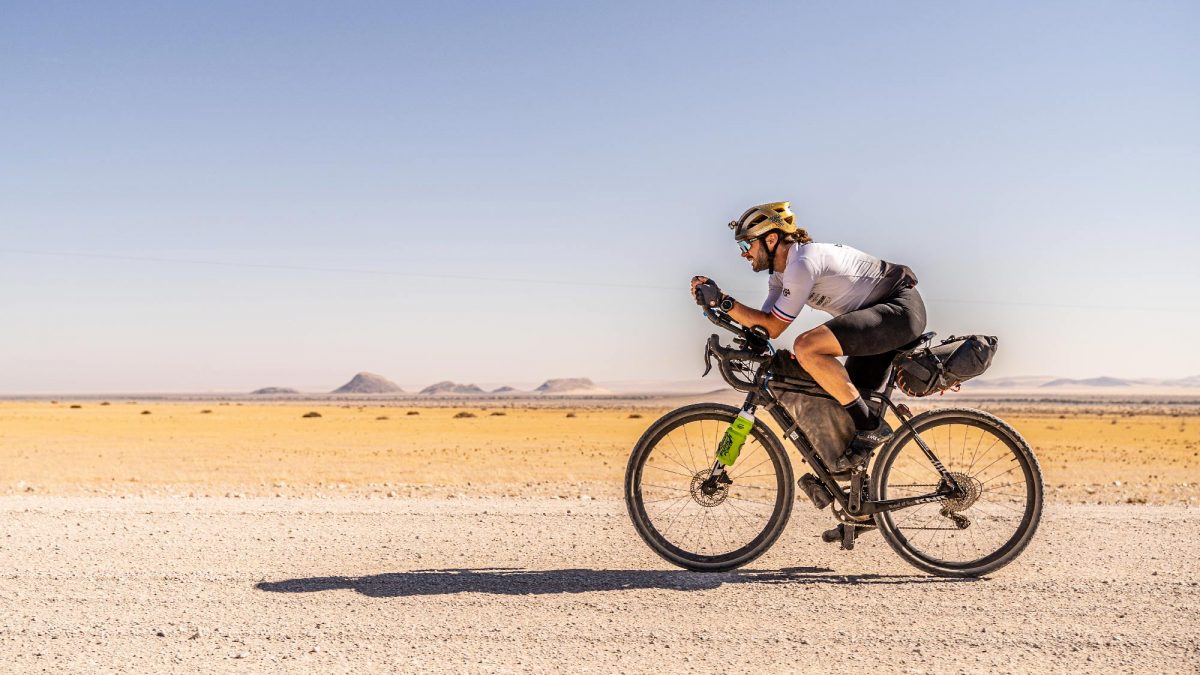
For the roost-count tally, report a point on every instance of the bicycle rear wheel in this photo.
(702, 532)
(990, 524)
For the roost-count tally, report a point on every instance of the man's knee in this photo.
(814, 343)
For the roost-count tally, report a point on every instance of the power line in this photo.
(335, 270)
(519, 280)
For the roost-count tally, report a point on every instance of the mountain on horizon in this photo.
(1047, 382)
(448, 387)
(1089, 382)
(274, 390)
(368, 383)
(570, 385)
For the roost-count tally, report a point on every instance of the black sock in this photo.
(860, 414)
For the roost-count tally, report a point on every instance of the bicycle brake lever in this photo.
(708, 354)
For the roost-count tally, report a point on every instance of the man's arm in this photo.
(748, 316)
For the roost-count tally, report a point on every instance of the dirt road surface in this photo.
(534, 584)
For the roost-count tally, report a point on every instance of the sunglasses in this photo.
(745, 245)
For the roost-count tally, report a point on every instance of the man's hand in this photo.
(706, 292)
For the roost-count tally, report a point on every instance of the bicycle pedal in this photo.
(845, 533)
(848, 534)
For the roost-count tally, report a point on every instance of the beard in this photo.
(759, 264)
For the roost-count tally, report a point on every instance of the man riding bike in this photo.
(875, 306)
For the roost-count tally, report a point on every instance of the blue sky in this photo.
(507, 192)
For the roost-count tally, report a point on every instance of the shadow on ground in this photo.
(507, 581)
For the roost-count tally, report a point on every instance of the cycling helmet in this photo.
(761, 219)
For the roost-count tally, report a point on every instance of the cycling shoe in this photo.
(862, 445)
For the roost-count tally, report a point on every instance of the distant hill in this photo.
(448, 387)
(504, 390)
(368, 383)
(1090, 382)
(1029, 383)
(1020, 382)
(570, 385)
(274, 390)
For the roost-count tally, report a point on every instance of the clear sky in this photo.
(228, 195)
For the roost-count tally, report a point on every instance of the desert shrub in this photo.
(463, 414)
(311, 414)
(205, 412)
(145, 412)
(413, 412)
(498, 413)
(76, 406)
(105, 403)
(570, 414)
(635, 416)
(381, 417)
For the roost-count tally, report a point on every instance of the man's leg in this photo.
(817, 351)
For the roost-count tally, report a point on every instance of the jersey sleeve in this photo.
(795, 287)
(774, 290)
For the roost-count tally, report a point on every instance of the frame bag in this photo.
(929, 370)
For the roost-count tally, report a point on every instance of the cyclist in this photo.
(875, 306)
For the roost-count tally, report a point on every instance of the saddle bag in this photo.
(955, 360)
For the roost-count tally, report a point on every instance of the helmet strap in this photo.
(771, 253)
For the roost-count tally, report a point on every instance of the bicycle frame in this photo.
(759, 394)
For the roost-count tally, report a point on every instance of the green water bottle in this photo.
(735, 436)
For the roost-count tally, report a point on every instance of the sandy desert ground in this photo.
(252, 538)
(1095, 455)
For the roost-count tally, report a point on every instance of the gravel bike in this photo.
(956, 492)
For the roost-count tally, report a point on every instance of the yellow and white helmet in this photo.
(764, 218)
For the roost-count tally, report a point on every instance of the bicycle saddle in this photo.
(916, 343)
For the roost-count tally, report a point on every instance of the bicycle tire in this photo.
(1001, 504)
(779, 483)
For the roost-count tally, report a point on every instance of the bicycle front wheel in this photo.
(986, 527)
(699, 531)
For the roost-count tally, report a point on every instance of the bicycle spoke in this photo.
(659, 468)
(984, 518)
(723, 521)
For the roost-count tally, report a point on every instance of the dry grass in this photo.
(268, 449)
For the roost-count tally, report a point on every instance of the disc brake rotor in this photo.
(713, 496)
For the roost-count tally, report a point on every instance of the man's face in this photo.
(757, 255)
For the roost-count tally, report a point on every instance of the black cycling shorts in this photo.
(872, 335)
(882, 327)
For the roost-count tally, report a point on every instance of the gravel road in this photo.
(513, 584)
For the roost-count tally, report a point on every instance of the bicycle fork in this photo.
(729, 449)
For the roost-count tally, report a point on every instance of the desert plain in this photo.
(490, 536)
(1092, 453)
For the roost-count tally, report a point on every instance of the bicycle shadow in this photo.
(513, 581)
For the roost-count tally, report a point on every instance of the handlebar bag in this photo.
(955, 360)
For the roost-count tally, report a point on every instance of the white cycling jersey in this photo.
(830, 277)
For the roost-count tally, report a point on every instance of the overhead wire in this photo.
(516, 280)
